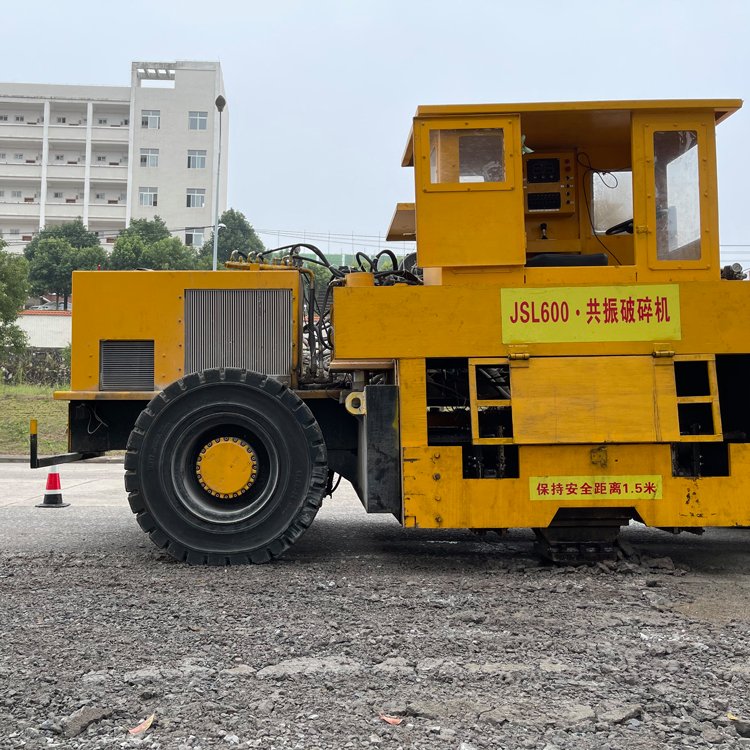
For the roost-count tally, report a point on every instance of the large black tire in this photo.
(258, 524)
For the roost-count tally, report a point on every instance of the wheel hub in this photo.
(226, 467)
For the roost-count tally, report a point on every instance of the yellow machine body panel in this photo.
(464, 321)
(573, 450)
(143, 306)
(617, 399)
(435, 495)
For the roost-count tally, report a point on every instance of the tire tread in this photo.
(316, 449)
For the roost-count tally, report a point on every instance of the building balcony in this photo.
(19, 210)
(18, 170)
(65, 172)
(17, 131)
(66, 210)
(109, 173)
(107, 211)
(68, 133)
(110, 134)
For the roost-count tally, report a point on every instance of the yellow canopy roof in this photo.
(403, 224)
(574, 116)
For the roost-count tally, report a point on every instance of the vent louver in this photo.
(246, 328)
(126, 366)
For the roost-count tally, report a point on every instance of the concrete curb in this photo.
(100, 460)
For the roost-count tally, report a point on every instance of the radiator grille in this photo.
(246, 328)
(126, 365)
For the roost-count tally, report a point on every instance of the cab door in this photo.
(469, 191)
(674, 204)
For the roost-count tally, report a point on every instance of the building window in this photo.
(15, 193)
(19, 118)
(196, 197)
(197, 120)
(196, 159)
(61, 120)
(99, 196)
(151, 118)
(101, 121)
(15, 231)
(18, 157)
(194, 237)
(147, 196)
(2, 193)
(3, 118)
(101, 158)
(2, 156)
(149, 157)
(57, 195)
(59, 157)
(126, 121)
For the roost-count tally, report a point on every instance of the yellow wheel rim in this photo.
(226, 467)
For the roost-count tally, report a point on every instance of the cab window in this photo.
(612, 201)
(465, 156)
(677, 195)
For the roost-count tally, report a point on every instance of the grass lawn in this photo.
(19, 404)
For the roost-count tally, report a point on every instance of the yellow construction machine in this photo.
(564, 352)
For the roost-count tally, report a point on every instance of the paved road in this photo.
(99, 519)
(87, 484)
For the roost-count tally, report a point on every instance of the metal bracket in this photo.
(356, 404)
(35, 462)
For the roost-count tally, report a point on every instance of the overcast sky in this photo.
(321, 93)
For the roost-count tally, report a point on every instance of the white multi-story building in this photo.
(109, 154)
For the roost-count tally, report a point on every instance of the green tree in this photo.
(147, 243)
(53, 262)
(74, 233)
(12, 339)
(126, 253)
(14, 288)
(148, 230)
(237, 234)
(169, 254)
(14, 283)
(89, 258)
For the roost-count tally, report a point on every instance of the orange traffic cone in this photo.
(53, 492)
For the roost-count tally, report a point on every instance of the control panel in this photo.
(550, 182)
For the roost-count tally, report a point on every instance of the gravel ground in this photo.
(368, 635)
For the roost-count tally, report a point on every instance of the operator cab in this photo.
(630, 186)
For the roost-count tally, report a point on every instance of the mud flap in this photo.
(379, 464)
